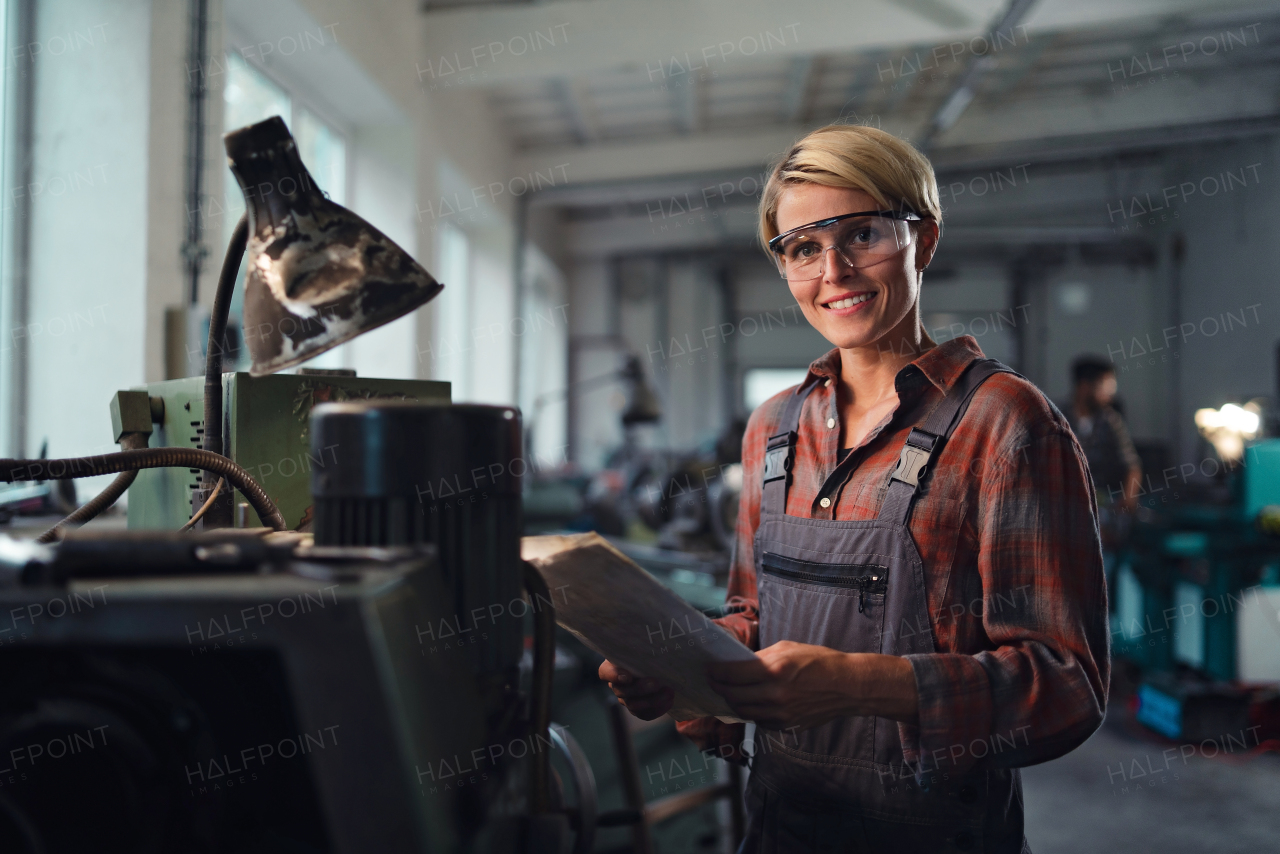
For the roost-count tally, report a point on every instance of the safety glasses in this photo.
(860, 239)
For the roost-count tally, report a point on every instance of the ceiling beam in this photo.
(1022, 125)
(662, 156)
(490, 45)
(961, 96)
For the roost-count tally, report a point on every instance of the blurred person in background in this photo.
(1114, 465)
(1095, 419)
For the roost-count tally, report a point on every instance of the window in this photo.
(323, 151)
(760, 384)
(451, 346)
(251, 96)
(248, 97)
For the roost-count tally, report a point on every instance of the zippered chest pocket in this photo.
(869, 579)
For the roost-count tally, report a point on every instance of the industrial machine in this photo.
(1198, 591)
(267, 425)
(213, 692)
(311, 637)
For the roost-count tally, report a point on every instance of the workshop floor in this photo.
(1125, 789)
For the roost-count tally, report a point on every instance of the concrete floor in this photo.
(1124, 790)
(1128, 790)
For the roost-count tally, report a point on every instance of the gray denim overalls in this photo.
(845, 786)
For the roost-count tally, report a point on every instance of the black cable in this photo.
(148, 458)
(217, 335)
(544, 656)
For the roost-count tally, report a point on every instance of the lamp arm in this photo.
(581, 385)
(217, 335)
(546, 397)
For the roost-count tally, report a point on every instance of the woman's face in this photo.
(886, 293)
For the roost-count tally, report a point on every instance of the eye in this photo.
(862, 235)
(803, 250)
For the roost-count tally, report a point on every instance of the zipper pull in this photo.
(862, 597)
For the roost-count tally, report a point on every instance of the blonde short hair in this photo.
(854, 157)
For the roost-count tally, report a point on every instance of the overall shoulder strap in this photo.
(925, 441)
(780, 453)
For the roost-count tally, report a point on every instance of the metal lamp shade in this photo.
(318, 274)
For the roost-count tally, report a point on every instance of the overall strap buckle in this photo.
(779, 455)
(915, 457)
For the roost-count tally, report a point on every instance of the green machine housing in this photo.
(267, 433)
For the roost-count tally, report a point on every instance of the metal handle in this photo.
(584, 786)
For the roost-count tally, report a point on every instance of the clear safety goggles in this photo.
(860, 239)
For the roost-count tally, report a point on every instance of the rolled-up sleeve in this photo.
(1040, 689)
(742, 608)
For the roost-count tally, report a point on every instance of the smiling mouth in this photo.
(848, 302)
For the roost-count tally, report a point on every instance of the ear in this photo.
(927, 236)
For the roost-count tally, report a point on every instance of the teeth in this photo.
(850, 301)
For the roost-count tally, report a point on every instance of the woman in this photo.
(917, 556)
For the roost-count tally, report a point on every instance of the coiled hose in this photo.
(104, 499)
(148, 458)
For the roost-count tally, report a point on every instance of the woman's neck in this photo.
(867, 374)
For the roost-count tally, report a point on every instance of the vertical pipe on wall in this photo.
(521, 300)
(1030, 361)
(193, 249)
(18, 125)
(662, 309)
(1177, 252)
(730, 381)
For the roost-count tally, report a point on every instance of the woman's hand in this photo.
(801, 685)
(645, 698)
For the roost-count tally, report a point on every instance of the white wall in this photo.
(88, 289)
(692, 375)
(383, 158)
(543, 343)
(594, 351)
(461, 153)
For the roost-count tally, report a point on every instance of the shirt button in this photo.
(831, 422)
(826, 502)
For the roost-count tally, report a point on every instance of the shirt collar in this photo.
(941, 365)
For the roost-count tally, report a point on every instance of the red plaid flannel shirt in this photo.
(1006, 525)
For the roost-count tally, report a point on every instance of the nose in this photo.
(831, 267)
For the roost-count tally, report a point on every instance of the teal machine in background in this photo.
(1261, 477)
(266, 433)
(1197, 603)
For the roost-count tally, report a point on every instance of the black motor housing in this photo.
(401, 473)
